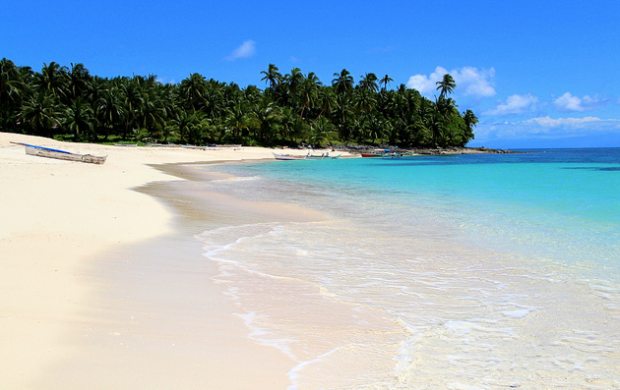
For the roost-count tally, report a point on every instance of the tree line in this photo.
(294, 108)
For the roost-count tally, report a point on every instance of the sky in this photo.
(536, 73)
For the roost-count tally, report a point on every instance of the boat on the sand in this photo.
(386, 153)
(321, 157)
(42, 151)
(306, 157)
(287, 157)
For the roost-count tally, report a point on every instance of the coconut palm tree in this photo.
(184, 122)
(78, 80)
(53, 78)
(41, 114)
(471, 121)
(241, 119)
(269, 116)
(11, 88)
(272, 76)
(343, 82)
(385, 81)
(368, 82)
(308, 92)
(132, 101)
(292, 82)
(446, 85)
(192, 91)
(79, 119)
(109, 110)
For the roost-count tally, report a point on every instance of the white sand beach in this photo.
(89, 301)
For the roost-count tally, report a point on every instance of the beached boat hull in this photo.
(325, 157)
(306, 157)
(287, 157)
(40, 151)
(371, 155)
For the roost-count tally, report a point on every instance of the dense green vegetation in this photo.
(294, 108)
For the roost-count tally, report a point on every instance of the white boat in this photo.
(321, 157)
(41, 151)
(287, 157)
(306, 157)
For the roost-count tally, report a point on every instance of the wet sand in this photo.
(106, 287)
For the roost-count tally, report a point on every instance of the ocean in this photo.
(478, 271)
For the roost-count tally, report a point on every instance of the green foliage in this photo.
(293, 109)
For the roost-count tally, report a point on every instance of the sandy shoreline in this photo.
(91, 297)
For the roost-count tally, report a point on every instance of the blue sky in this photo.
(536, 73)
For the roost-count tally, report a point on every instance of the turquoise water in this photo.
(468, 271)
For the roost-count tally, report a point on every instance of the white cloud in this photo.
(469, 81)
(568, 102)
(574, 123)
(247, 49)
(476, 82)
(515, 104)
(547, 128)
(164, 80)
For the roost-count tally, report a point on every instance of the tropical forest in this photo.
(70, 104)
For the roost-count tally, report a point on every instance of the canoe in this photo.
(306, 157)
(287, 157)
(42, 151)
(321, 157)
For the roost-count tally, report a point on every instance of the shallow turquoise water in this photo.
(500, 270)
(567, 197)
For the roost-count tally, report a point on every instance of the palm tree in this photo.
(272, 76)
(269, 116)
(320, 132)
(385, 81)
(470, 121)
(368, 82)
(11, 86)
(240, 119)
(308, 91)
(343, 82)
(41, 114)
(132, 101)
(78, 81)
(79, 119)
(292, 82)
(192, 91)
(110, 110)
(152, 113)
(53, 78)
(327, 101)
(446, 85)
(184, 122)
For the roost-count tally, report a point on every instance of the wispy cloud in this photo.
(568, 102)
(547, 128)
(247, 49)
(469, 81)
(515, 104)
(164, 80)
(573, 123)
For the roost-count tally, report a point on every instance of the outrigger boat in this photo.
(42, 151)
(306, 157)
(386, 153)
(287, 157)
(321, 157)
